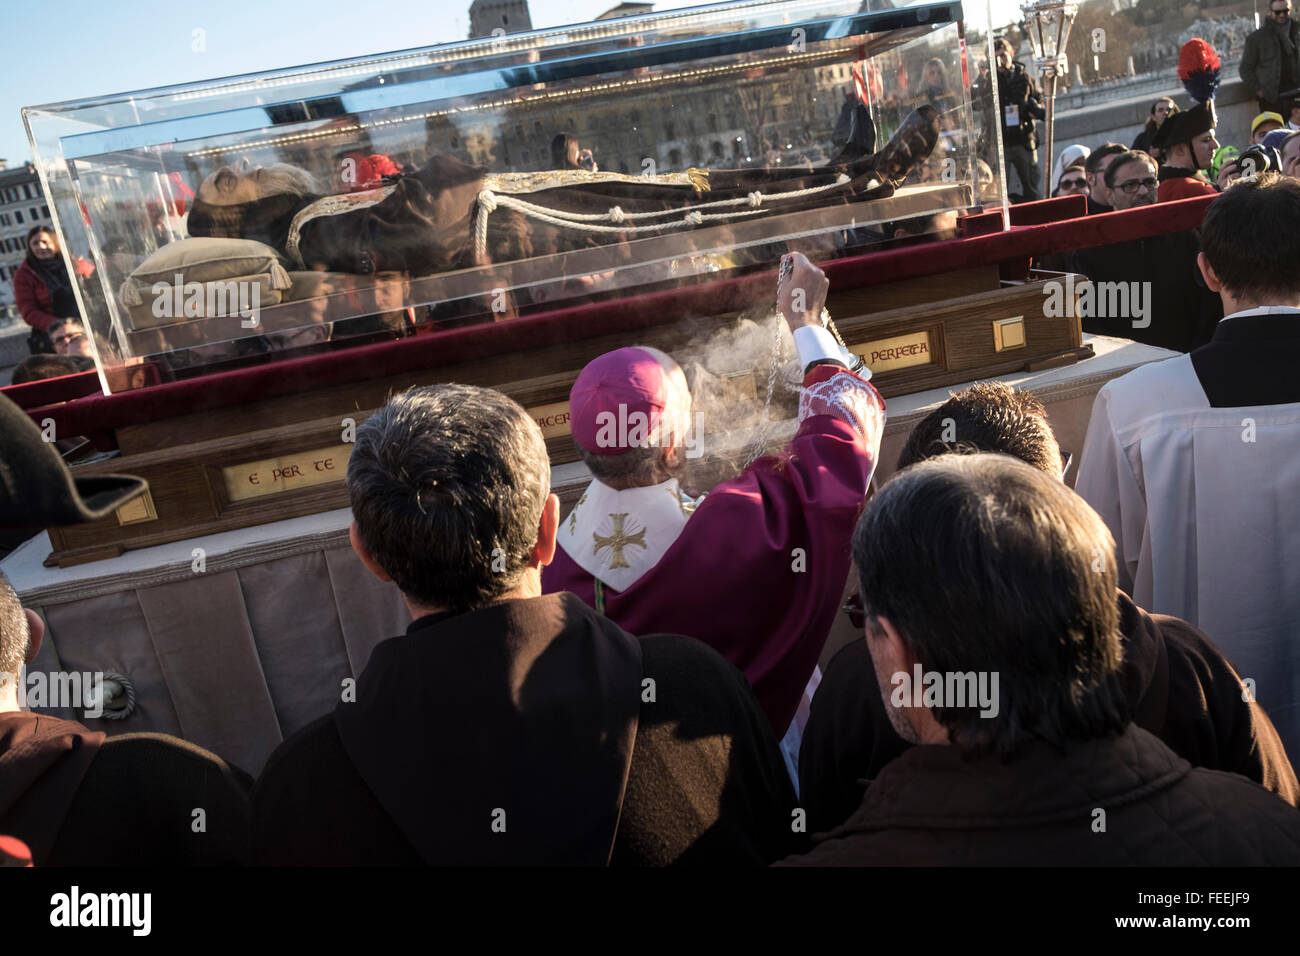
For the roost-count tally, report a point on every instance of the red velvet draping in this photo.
(96, 415)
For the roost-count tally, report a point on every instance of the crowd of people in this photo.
(1176, 155)
(1045, 675)
(1189, 158)
(1107, 673)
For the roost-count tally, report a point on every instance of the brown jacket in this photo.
(1125, 800)
(1180, 687)
(78, 799)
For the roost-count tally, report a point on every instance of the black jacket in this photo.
(531, 732)
(78, 799)
(1125, 800)
(1180, 311)
(1095, 208)
(1262, 63)
(1016, 88)
(1180, 687)
(1142, 141)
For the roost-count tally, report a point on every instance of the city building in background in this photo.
(737, 120)
(510, 16)
(22, 205)
(627, 10)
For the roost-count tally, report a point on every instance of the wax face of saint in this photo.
(233, 185)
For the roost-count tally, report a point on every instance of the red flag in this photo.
(860, 84)
(182, 189)
(875, 81)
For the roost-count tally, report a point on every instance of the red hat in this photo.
(617, 401)
(14, 852)
(369, 170)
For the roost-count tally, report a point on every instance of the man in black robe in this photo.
(506, 727)
(996, 647)
(450, 215)
(1148, 290)
(1179, 685)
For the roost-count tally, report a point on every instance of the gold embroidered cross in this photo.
(617, 541)
(573, 515)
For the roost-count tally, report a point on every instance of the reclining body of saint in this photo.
(449, 215)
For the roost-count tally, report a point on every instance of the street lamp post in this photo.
(1048, 24)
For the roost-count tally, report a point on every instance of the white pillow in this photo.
(204, 260)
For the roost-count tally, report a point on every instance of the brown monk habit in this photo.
(531, 732)
(264, 220)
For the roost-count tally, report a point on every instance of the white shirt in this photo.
(1204, 506)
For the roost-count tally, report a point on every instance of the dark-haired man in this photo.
(995, 640)
(1131, 180)
(1020, 107)
(1178, 683)
(1192, 462)
(69, 338)
(1095, 167)
(1074, 180)
(1147, 290)
(508, 727)
(34, 368)
(1270, 65)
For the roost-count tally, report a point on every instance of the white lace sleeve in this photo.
(846, 397)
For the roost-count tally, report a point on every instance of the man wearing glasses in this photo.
(69, 338)
(1074, 181)
(1271, 64)
(1131, 180)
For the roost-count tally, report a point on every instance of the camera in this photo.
(1258, 159)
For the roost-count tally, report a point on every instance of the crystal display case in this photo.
(255, 218)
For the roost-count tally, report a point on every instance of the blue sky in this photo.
(54, 51)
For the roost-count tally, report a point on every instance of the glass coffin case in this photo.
(246, 219)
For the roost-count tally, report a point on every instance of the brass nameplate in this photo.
(137, 510)
(286, 473)
(1009, 333)
(552, 419)
(899, 351)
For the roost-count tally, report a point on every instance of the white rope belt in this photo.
(489, 202)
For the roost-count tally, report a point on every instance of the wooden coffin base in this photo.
(285, 457)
